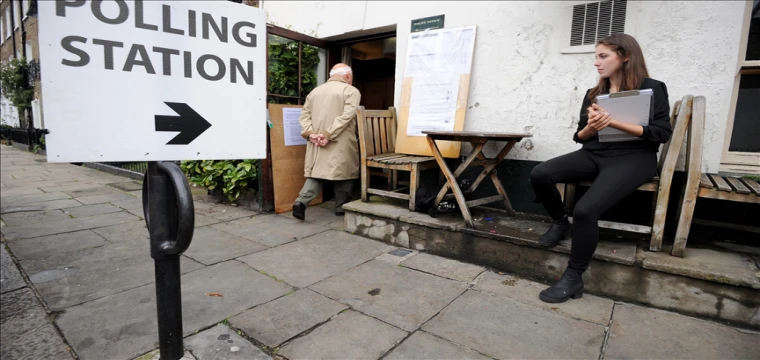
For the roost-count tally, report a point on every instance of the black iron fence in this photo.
(24, 136)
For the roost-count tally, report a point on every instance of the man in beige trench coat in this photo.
(328, 121)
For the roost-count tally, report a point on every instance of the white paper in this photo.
(291, 127)
(433, 104)
(436, 59)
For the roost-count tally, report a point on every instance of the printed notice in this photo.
(436, 59)
(433, 104)
(291, 127)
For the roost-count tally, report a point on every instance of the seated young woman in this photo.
(616, 168)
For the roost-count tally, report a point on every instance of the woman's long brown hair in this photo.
(634, 70)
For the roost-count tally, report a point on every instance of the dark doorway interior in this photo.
(374, 65)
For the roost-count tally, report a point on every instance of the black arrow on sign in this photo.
(189, 123)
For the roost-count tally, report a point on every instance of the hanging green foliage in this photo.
(15, 85)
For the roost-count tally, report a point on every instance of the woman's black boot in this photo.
(556, 232)
(570, 285)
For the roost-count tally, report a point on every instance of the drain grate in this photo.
(400, 252)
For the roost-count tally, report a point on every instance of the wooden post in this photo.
(694, 173)
(666, 177)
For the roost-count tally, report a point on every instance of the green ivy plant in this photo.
(15, 85)
(283, 69)
(231, 176)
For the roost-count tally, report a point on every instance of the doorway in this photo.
(373, 61)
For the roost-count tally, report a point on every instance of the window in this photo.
(741, 150)
(590, 21)
(24, 7)
(16, 18)
(2, 29)
(8, 30)
(29, 54)
(297, 64)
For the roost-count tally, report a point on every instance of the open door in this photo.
(296, 64)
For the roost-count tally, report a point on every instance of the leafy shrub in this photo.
(231, 176)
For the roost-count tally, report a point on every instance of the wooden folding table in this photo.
(478, 140)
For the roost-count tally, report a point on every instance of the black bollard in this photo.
(170, 217)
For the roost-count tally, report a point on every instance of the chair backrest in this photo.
(377, 131)
(679, 122)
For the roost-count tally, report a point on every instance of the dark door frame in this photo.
(266, 186)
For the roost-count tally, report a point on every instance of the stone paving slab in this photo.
(503, 328)
(450, 269)
(589, 308)
(22, 218)
(26, 331)
(221, 343)
(63, 226)
(69, 279)
(90, 210)
(316, 258)
(56, 204)
(321, 214)
(222, 212)
(123, 232)
(203, 220)
(10, 277)
(13, 201)
(100, 199)
(93, 190)
(20, 191)
(56, 244)
(124, 325)
(401, 297)
(268, 229)
(645, 333)
(210, 246)
(349, 335)
(280, 320)
(424, 346)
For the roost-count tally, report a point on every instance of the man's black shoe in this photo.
(556, 232)
(299, 210)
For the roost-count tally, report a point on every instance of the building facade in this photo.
(533, 61)
(18, 39)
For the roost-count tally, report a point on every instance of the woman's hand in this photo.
(598, 118)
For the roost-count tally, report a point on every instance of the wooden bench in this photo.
(681, 119)
(708, 186)
(377, 143)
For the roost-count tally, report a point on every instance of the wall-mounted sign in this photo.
(432, 22)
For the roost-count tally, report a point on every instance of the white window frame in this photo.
(24, 9)
(734, 161)
(2, 28)
(8, 30)
(16, 17)
(567, 22)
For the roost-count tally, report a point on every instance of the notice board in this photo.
(288, 154)
(435, 88)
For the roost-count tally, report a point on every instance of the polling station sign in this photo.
(152, 80)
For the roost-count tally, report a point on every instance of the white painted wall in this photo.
(521, 81)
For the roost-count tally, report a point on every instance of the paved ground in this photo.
(262, 286)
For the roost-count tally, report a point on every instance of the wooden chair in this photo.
(680, 120)
(377, 143)
(711, 186)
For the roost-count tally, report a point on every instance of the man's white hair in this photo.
(341, 71)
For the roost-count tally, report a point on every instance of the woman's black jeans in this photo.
(615, 177)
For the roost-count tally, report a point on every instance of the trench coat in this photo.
(330, 110)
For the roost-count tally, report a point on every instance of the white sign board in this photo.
(153, 80)
(437, 59)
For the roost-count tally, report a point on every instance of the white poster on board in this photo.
(436, 59)
(291, 127)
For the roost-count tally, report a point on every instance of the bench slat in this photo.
(738, 185)
(753, 185)
(705, 181)
(719, 182)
